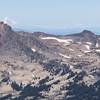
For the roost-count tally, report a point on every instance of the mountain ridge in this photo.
(44, 66)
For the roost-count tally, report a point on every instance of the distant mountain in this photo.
(58, 31)
(44, 66)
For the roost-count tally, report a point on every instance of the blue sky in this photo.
(56, 14)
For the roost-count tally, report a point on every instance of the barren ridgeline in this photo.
(44, 66)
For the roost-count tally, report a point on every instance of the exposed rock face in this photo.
(43, 66)
(4, 28)
(14, 44)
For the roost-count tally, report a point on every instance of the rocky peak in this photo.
(88, 36)
(4, 27)
(87, 33)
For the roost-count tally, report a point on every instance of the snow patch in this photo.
(67, 41)
(98, 50)
(71, 49)
(34, 50)
(87, 51)
(97, 45)
(88, 43)
(79, 55)
(65, 56)
(87, 46)
(91, 76)
(71, 67)
(33, 75)
(9, 72)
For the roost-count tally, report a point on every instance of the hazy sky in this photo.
(51, 13)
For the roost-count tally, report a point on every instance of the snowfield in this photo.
(67, 41)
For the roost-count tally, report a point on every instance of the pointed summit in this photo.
(87, 32)
(4, 27)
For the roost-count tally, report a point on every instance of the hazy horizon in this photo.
(53, 14)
